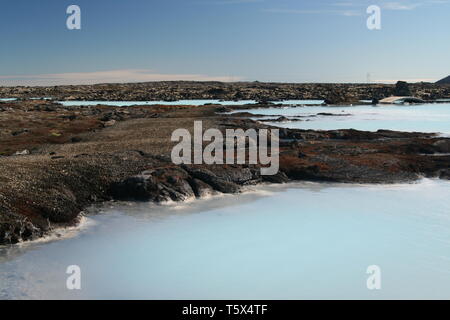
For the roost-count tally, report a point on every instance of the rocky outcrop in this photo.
(442, 146)
(156, 185)
(402, 89)
(179, 184)
(444, 81)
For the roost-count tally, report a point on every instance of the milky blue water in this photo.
(300, 241)
(422, 118)
(149, 103)
(14, 99)
(299, 102)
(181, 102)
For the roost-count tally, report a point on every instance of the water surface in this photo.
(301, 241)
(182, 102)
(420, 118)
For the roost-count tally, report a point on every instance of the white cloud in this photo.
(112, 76)
(348, 13)
(345, 4)
(401, 6)
(225, 2)
(357, 8)
(407, 80)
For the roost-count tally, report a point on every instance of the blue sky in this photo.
(265, 40)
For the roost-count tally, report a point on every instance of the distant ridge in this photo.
(444, 81)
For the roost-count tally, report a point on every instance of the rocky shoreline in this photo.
(233, 91)
(80, 156)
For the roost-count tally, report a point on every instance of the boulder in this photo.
(282, 119)
(280, 177)
(445, 174)
(442, 146)
(402, 89)
(139, 188)
(22, 153)
(214, 181)
(109, 123)
(157, 186)
(200, 188)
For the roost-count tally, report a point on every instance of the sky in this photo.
(224, 40)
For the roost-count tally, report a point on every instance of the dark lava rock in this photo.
(50, 108)
(18, 230)
(112, 116)
(223, 110)
(334, 114)
(139, 188)
(442, 146)
(179, 184)
(200, 188)
(19, 132)
(280, 177)
(338, 97)
(71, 117)
(445, 174)
(156, 185)
(402, 89)
(282, 119)
(446, 80)
(218, 183)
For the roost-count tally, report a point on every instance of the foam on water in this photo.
(84, 223)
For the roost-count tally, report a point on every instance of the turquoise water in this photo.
(181, 102)
(149, 103)
(299, 102)
(422, 118)
(14, 99)
(171, 103)
(301, 241)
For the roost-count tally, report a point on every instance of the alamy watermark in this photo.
(374, 279)
(73, 282)
(73, 22)
(237, 147)
(374, 20)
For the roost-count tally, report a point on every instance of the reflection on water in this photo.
(309, 241)
(419, 118)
